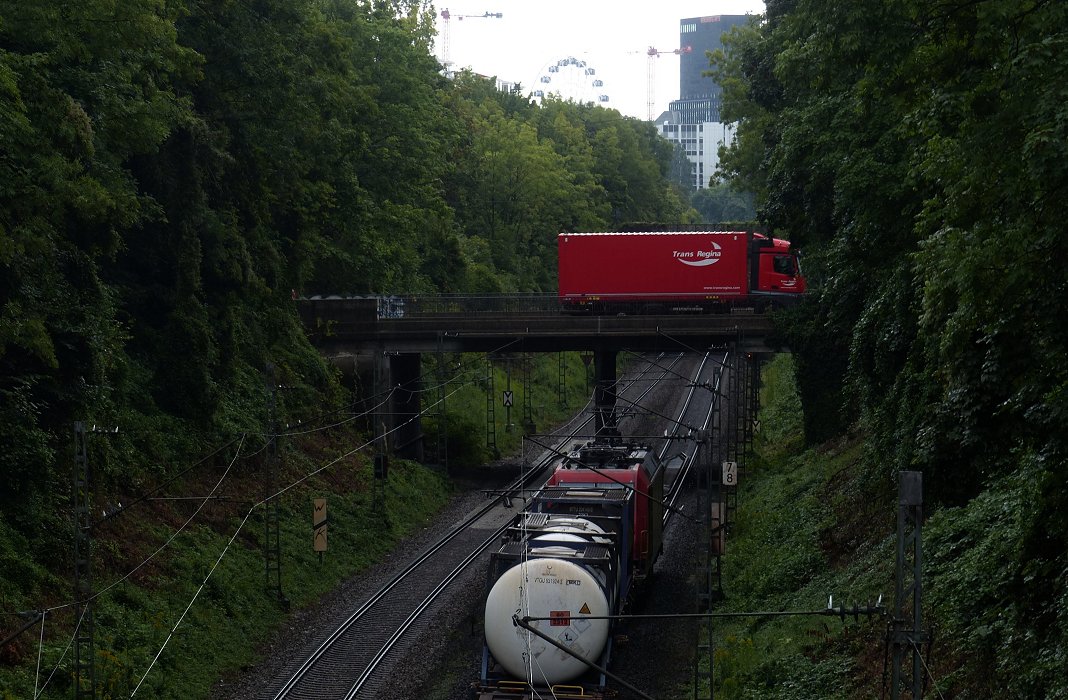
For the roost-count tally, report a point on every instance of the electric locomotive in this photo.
(580, 549)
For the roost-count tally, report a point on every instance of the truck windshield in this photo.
(784, 265)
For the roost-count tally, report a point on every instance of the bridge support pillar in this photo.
(604, 392)
(404, 370)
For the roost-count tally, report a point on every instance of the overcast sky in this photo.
(612, 37)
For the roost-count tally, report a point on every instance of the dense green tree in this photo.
(632, 163)
(563, 125)
(682, 171)
(917, 151)
(527, 172)
(83, 89)
(722, 203)
(173, 172)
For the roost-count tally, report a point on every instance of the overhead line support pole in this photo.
(84, 666)
(272, 546)
(528, 397)
(906, 637)
(491, 413)
(443, 416)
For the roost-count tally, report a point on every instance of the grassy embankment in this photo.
(232, 616)
(467, 408)
(821, 521)
(803, 531)
(813, 523)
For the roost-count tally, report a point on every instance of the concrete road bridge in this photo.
(388, 335)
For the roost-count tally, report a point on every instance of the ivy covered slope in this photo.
(807, 527)
(172, 172)
(803, 530)
(917, 152)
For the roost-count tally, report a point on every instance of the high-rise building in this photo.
(699, 96)
(693, 121)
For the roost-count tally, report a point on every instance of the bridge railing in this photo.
(466, 305)
(444, 305)
(370, 308)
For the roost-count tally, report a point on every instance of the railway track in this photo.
(704, 420)
(343, 665)
(347, 663)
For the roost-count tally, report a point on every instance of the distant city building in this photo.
(699, 96)
(506, 85)
(701, 143)
(693, 121)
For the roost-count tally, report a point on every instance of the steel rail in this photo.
(518, 486)
(648, 369)
(421, 608)
(684, 471)
(323, 648)
(678, 424)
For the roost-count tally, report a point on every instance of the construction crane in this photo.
(650, 92)
(446, 38)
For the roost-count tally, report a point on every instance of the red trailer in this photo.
(675, 270)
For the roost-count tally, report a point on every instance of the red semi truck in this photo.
(676, 271)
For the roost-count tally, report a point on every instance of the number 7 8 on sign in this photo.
(730, 473)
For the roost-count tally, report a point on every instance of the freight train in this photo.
(673, 271)
(581, 548)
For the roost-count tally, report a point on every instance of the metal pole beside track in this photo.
(907, 638)
(84, 666)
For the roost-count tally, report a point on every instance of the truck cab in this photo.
(777, 269)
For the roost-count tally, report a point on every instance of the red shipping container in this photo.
(656, 266)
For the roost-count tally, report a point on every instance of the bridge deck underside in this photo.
(486, 333)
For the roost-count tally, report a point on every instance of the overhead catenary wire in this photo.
(146, 560)
(233, 537)
(204, 498)
(211, 496)
(680, 343)
(62, 656)
(44, 612)
(185, 612)
(666, 369)
(721, 363)
(658, 414)
(385, 393)
(40, 653)
(167, 481)
(244, 521)
(385, 396)
(334, 461)
(154, 554)
(150, 495)
(926, 668)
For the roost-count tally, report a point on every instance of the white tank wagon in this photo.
(564, 564)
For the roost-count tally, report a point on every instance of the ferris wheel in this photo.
(571, 79)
